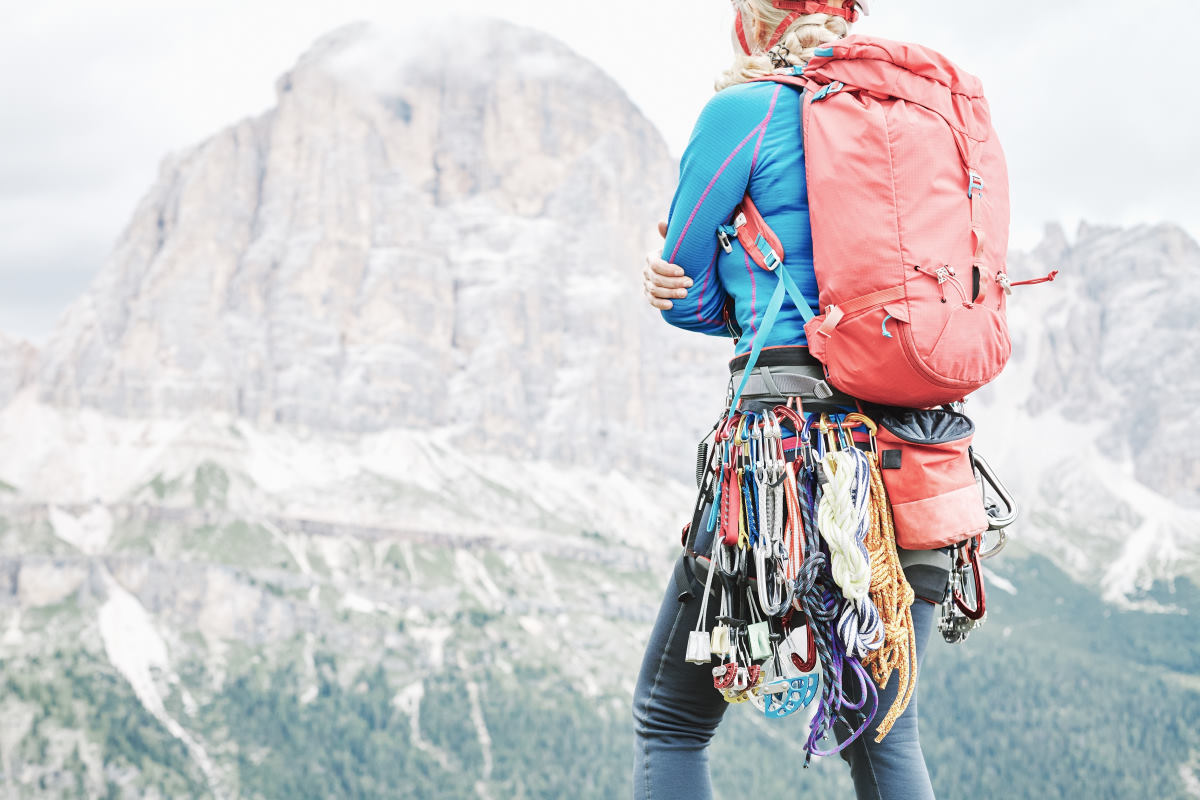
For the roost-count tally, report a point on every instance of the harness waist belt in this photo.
(781, 356)
(784, 382)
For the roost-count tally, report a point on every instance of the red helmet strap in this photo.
(783, 26)
(849, 13)
(741, 34)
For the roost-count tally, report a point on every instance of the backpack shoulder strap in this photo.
(764, 247)
(755, 235)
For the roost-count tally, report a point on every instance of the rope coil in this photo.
(894, 597)
(843, 518)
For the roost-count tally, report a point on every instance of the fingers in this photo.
(658, 296)
(666, 276)
(664, 273)
(661, 305)
(662, 229)
(662, 280)
(659, 287)
(653, 289)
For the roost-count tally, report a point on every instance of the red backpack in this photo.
(908, 191)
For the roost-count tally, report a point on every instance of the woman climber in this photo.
(748, 143)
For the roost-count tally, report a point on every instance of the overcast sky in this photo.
(1095, 102)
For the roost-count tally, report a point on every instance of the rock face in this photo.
(18, 362)
(1101, 399)
(408, 239)
(1116, 351)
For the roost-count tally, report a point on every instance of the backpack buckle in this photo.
(723, 238)
(726, 231)
(974, 184)
(828, 89)
(771, 259)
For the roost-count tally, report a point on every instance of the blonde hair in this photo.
(799, 42)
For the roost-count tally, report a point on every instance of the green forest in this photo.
(1037, 703)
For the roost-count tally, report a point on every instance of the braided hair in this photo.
(797, 45)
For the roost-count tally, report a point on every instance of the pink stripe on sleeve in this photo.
(703, 288)
(679, 242)
(765, 123)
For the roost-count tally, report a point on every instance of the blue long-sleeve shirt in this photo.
(748, 136)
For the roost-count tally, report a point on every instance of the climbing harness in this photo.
(813, 609)
(800, 560)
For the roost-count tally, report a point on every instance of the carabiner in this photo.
(845, 440)
(972, 560)
(987, 478)
(857, 419)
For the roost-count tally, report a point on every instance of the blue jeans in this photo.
(676, 711)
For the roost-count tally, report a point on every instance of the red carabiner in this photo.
(810, 658)
(972, 560)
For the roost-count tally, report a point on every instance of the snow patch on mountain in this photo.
(1001, 583)
(89, 531)
(18, 361)
(1189, 773)
(137, 650)
(408, 701)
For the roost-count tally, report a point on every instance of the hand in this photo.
(661, 280)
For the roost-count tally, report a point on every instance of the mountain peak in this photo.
(18, 359)
(1054, 244)
(456, 207)
(478, 49)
